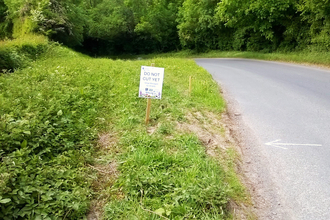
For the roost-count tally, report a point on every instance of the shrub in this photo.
(19, 53)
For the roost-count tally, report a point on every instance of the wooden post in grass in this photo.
(190, 81)
(148, 105)
(148, 110)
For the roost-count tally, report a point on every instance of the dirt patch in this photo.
(107, 140)
(207, 132)
(109, 170)
(106, 175)
(152, 129)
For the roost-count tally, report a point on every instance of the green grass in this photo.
(51, 114)
(58, 102)
(300, 57)
(19, 53)
(184, 184)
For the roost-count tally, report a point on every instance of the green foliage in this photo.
(14, 6)
(316, 14)
(110, 27)
(184, 185)
(5, 24)
(51, 113)
(45, 142)
(270, 21)
(157, 23)
(20, 52)
(63, 21)
(23, 27)
(38, 189)
(113, 23)
(133, 27)
(199, 29)
(19, 12)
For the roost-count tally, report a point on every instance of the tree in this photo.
(157, 25)
(64, 21)
(133, 26)
(259, 24)
(198, 27)
(111, 27)
(317, 14)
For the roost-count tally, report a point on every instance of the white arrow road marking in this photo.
(279, 145)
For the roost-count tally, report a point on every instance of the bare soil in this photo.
(106, 175)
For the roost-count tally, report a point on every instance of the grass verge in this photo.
(72, 131)
(300, 57)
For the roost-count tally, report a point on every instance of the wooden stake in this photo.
(190, 80)
(148, 110)
(148, 105)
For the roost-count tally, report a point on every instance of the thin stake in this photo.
(148, 110)
(148, 105)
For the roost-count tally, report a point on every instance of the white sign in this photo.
(151, 82)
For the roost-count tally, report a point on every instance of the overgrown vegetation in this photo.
(21, 52)
(110, 27)
(58, 103)
(51, 114)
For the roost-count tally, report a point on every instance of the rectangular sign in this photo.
(151, 82)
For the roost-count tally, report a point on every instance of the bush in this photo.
(19, 53)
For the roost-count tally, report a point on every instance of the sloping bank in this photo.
(73, 142)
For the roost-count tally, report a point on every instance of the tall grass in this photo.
(18, 53)
(51, 114)
(28, 39)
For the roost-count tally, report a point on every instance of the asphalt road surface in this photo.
(288, 109)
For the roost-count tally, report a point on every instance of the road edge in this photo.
(253, 165)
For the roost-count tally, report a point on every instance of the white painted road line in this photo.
(279, 145)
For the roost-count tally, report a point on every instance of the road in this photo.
(287, 107)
